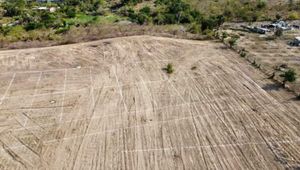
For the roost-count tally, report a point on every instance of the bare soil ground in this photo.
(109, 105)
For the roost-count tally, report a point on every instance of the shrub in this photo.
(37, 34)
(289, 76)
(224, 36)
(71, 12)
(14, 8)
(62, 30)
(145, 10)
(194, 28)
(278, 17)
(278, 32)
(243, 54)
(144, 15)
(159, 19)
(235, 36)
(212, 22)
(5, 30)
(53, 37)
(169, 69)
(293, 16)
(17, 33)
(33, 25)
(209, 33)
(48, 19)
(232, 42)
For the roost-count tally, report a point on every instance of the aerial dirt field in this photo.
(110, 105)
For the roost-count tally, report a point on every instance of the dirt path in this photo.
(109, 105)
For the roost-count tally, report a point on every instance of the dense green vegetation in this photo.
(171, 12)
(29, 20)
(26, 19)
(289, 76)
(249, 10)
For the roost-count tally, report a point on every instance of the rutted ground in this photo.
(109, 105)
(272, 56)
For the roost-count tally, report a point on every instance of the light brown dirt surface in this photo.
(109, 105)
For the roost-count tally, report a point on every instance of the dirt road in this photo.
(109, 105)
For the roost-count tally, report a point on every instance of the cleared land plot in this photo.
(109, 105)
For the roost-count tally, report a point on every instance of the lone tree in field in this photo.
(289, 76)
(169, 69)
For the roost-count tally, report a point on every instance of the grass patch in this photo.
(16, 33)
(108, 19)
(6, 20)
(81, 19)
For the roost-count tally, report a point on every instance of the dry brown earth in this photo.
(109, 105)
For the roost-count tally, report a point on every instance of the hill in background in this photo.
(31, 21)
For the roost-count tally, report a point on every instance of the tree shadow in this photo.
(271, 87)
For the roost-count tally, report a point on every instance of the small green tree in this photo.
(212, 22)
(289, 76)
(146, 10)
(71, 12)
(169, 69)
(232, 42)
(14, 7)
(48, 19)
(194, 28)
